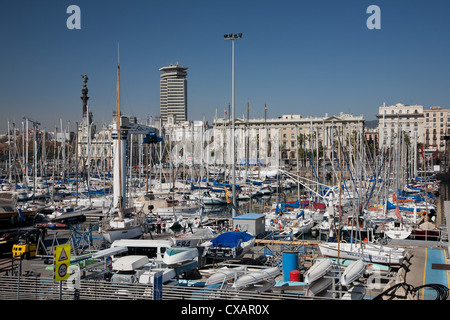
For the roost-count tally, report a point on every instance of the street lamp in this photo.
(232, 37)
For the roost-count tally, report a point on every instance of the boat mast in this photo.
(120, 198)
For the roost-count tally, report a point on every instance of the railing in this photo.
(36, 288)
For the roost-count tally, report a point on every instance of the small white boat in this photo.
(397, 230)
(183, 210)
(302, 226)
(223, 275)
(261, 286)
(177, 255)
(368, 252)
(126, 228)
(318, 270)
(193, 239)
(256, 277)
(168, 272)
(130, 263)
(352, 272)
(147, 277)
(319, 285)
(229, 245)
(355, 293)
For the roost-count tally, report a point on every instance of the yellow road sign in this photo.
(61, 262)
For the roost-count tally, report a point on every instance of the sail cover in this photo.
(231, 239)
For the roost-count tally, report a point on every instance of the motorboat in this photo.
(194, 238)
(177, 255)
(229, 245)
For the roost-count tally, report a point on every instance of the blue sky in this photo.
(307, 57)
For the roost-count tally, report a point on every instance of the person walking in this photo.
(158, 224)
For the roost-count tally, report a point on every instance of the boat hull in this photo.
(353, 272)
(367, 254)
(122, 233)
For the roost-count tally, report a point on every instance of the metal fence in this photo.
(36, 288)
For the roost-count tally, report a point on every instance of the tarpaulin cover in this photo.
(231, 239)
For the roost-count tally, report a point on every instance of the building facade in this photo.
(436, 127)
(279, 138)
(399, 117)
(173, 93)
(430, 127)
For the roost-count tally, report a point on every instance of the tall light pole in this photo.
(232, 37)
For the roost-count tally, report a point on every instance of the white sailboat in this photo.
(122, 226)
(397, 230)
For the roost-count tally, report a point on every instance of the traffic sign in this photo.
(61, 262)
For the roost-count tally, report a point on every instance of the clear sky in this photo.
(307, 57)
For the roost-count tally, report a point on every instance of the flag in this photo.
(225, 111)
(397, 214)
(227, 195)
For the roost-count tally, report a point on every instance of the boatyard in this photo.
(281, 204)
(422, 272)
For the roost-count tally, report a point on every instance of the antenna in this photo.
(118, 53)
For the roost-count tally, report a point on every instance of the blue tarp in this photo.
(231, 239)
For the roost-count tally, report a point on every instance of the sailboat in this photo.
(125, 225)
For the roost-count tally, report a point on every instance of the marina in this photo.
(284, 203)
(356, 226)
(264, 270)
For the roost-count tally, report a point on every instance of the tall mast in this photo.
(120, 202)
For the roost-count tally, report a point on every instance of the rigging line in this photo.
(374, 182)
(346, 160)
(312, 165)
(339, 166)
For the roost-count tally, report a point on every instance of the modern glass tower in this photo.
(173, 93)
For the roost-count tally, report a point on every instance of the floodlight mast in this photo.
(232, 37)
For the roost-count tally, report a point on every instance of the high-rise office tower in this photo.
(173, 93)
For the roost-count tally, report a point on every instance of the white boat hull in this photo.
(375, 254)
(318, 270)
(353, 272)
(319, 285)
(225, 275)
(125, 233)
(256, 277)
